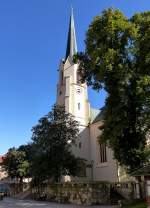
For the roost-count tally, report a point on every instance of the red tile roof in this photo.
(1, 158)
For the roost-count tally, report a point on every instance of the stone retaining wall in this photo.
(75, 193)
(86, 193)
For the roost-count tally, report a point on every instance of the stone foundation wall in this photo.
(75, 193)
(86, 193)
(125, 189)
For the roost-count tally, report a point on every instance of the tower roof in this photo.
(71, 42)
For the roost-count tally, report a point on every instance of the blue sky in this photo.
(33, 35)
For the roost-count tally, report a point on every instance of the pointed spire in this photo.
(71, 42)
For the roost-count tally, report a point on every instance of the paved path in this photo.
(14, 203)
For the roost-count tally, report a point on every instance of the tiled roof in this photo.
(96, 115)
(1, 159)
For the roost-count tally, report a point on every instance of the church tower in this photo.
(99, 165)
(70, 91)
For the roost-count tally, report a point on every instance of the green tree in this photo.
(53, 138)
(117, 58)
(16, 165)
(28, 149)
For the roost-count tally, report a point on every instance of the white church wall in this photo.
(106, 171)
(82, 147)
(83, 150)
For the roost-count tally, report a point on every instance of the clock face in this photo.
(78, 91)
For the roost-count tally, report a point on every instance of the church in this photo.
(100, 164)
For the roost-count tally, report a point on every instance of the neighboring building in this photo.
(73, 94)
(3, 173)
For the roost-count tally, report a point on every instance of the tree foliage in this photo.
(117, 58)
(49, 155)
(16, 164)
(28, 151)
(52, 138)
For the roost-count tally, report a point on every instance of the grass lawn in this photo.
(136, 205)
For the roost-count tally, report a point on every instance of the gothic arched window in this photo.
(103, 153)
(62, 77)
(79, 106)
(78, 77)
